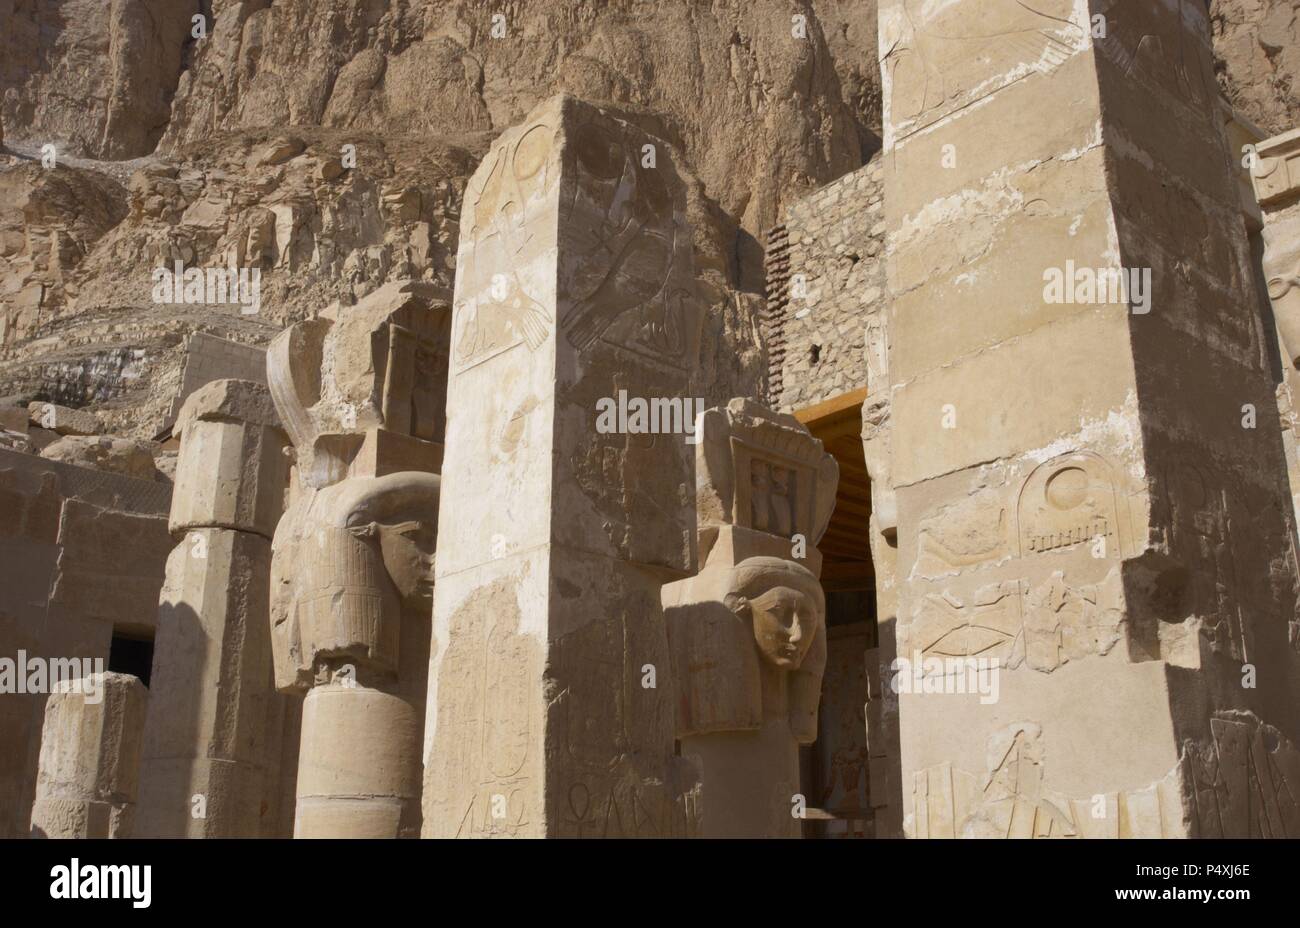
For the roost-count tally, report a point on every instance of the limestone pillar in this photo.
(361, 395)
(747, 634)
(1089, 475)
(1276, 176)
(884, 771)
(549, 700)
(90, 758)
(205, 741)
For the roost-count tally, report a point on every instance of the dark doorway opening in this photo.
(131, 653)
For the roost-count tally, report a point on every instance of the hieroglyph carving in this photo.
(1240, 782)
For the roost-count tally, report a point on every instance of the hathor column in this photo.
(359, 389)
(748, 632)
(550, 707)
(1085, 449)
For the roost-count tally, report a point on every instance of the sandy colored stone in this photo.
(231, 471)
(126, 456)
(550, 555)
(211, 687)
(1053, 461)
(747, 633)
(64, 420)
(14, 419)
(90, 758)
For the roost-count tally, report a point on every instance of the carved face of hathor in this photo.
(1282, 271)
(406, 550)
(348, 563)
(786, 605)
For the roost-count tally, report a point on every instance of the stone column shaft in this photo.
(1075, 355)
(206, 747)
(90, 758)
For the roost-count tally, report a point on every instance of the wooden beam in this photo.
(835, 406)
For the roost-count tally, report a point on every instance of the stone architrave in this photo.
(1075, 365)
(550, 709)
(90, 758)
(352, 573)
(747, 633)
(206, 750)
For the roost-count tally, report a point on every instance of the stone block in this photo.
(231, 471)
(64, 420)
(554, 543)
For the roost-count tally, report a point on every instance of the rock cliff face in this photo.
(240, 116)
(240, 123)
(1257, 47)
(97, 75)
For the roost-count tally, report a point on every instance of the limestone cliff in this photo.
(238, 115)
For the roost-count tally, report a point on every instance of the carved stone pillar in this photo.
(352, 572)
(1085, 450)
(573, 282)
(881, 710)
(1276, 177)
(747, 633)
(206, 750)
(90, 758)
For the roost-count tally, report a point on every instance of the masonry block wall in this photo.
(825, 282)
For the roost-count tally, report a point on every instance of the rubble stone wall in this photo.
(825, 280)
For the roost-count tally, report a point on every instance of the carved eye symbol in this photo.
(968, 640)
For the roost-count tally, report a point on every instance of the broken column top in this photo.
(228, 400)
(764, 471)
(380, 364)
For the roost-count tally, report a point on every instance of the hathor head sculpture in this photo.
(347, 568)
(749, 645)
(784, 602)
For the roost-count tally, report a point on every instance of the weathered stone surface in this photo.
(14, 419)
(90, 758)
(125, 57)
(573, 282)
(825, 288)
(381, 364)
(1079, 483)
(749, 647)
(232, 472)
(361, 393)
(63, 420)
(360, 775)
(49, 221)
(126, 456)
(1275, 179)
(212, 751)
(747, 634)
(210, 688)
(1065, 487)
(1257, 52)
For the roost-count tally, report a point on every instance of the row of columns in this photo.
(626, 634)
